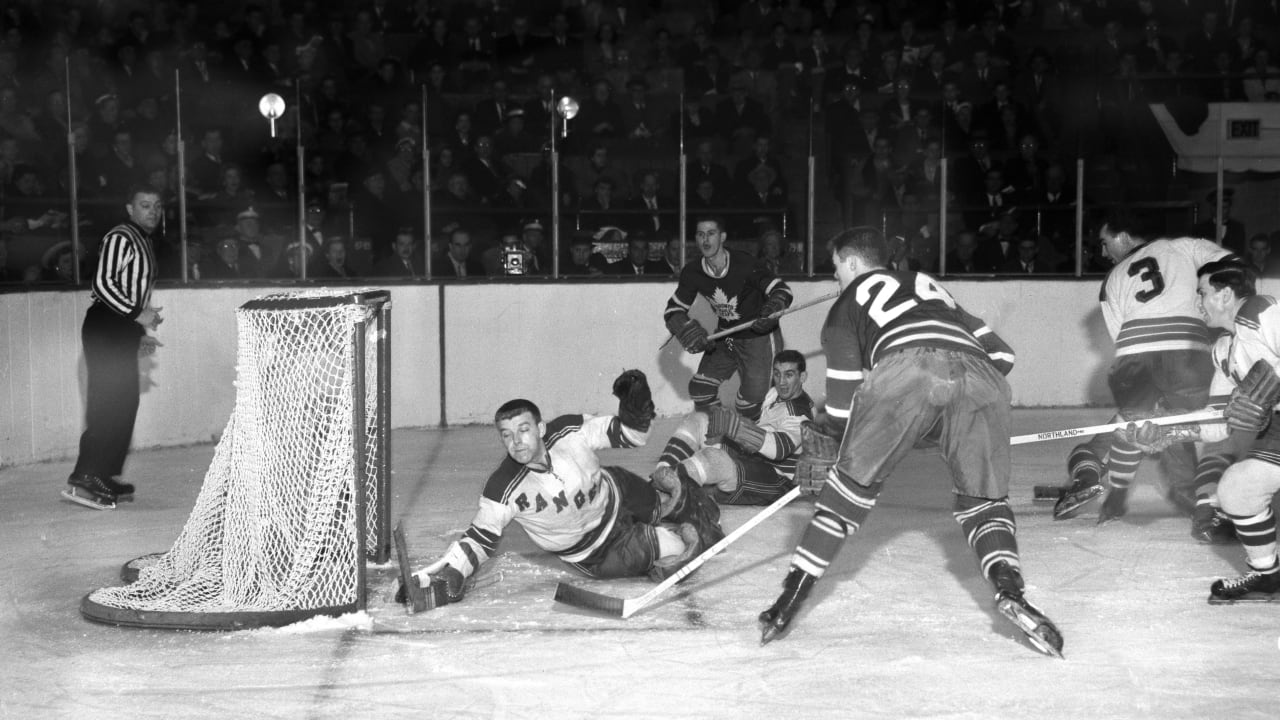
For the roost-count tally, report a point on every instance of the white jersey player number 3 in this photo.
(1147, 270)
(884, 287)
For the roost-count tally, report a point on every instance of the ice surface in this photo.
(901, 627)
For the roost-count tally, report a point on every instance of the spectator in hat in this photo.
(1228, 232)
(534, 236)
(514, 137)
(400, 166)
(58, 264)
(293, 258)
(660, 208)
(257, 250)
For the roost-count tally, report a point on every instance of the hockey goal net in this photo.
(297, 495)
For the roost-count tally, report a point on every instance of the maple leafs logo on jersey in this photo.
(725, 307)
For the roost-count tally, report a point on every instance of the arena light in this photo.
(568, 109)
(271, 106)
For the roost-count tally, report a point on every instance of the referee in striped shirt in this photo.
(114, 332)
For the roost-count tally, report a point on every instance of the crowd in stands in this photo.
(1010, 91)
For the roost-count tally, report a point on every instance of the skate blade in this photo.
(1250, 599)
(1070, 505)
(89, 502)
(1042, 635)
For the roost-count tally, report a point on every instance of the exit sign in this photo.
(1244, 129)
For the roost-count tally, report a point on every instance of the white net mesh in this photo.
(275, 525)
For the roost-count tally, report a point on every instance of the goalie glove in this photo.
(818, 453)
(1253, 401)
(766, 323)
(635, 400)
(689, 332)
(723, 422)
(446, 587)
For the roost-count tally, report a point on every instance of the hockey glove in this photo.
(690, 333)
(635, 400)
(446, 586)
(1253, 401)
(776, 303)
(725, 423)
(818, 452)
(1149, 437)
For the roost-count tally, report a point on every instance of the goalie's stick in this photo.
(772, 316)
(1207, 415)
(626, 607)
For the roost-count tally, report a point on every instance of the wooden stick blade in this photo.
(588, 600)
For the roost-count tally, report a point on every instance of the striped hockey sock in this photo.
(1208, 472)
(704, 391)
(1258, 535)
(842, 507)
(685, 441)
(1122, 464)
(989, 527)
(1084, 465)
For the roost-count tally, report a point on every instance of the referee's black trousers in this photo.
(111, 356)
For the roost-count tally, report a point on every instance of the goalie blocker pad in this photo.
(1254, 400)
(818, 452)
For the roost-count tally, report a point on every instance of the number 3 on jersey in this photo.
(1148, 271)
(884, 304)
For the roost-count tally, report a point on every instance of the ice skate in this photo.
(1115, 506)
(123, 490)
(1210, 527)
(1253, 586)
(89, 491)
(1081, 493)
(795, 588)
(1040, 630)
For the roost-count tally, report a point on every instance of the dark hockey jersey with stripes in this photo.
(735, 295)
(567, 507)
(887, 310)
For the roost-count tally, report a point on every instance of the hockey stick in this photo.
(772, 316)
(626, 607)
(1207, 415)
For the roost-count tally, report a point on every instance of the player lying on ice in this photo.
(606, 522)
(737, 460)
(905, 364)
(1249, 357)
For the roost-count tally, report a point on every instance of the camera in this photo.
(513, 262)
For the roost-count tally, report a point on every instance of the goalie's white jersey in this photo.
(1254, 336)
(1149, 297)
(567, 507)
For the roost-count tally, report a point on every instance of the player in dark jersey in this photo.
(738, 287)
(905, 363)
